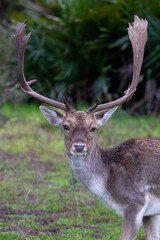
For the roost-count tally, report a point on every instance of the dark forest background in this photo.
(81, 49)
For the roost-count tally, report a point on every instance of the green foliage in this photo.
(152, 60)
(81, 48)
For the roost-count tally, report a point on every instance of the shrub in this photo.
(81, 48)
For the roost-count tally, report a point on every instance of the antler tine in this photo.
(93, 108)
(138, 37)
(68, 106)
(20, 46)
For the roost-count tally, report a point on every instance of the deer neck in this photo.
(94, 172)
(89, 167)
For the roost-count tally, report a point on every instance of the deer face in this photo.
(78, 127)
(79, 130)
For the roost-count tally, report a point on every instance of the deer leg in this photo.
(152, 227)
(131, 223)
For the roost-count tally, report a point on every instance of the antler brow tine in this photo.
(20, 45)
(138, 37)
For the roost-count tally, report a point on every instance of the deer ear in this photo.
(103, 116)
(53, 117)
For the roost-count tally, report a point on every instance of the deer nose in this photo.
(79, 148)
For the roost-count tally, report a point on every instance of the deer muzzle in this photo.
(79, 147)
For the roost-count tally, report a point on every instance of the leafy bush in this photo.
(81, 48)
(9, 88)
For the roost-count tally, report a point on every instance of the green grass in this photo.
(40, 198)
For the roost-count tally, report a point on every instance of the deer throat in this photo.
(81, 167)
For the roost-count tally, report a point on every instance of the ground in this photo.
(40, 197)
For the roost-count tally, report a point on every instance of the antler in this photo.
(20, 46)
(138, 37)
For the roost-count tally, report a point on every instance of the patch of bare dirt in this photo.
(32, 154)
(103, 221)
(13, 136)
(39, 213)
(45, 221)
(37, 165)
(35, 232)
(43, 217)
(42, 166)
(8, 156)
(8, 211)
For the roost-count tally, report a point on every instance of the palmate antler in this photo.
(138, 37)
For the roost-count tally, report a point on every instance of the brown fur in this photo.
(80, 124)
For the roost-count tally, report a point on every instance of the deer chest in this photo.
(98, 187)
(94, 183)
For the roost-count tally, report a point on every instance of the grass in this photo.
(40, 198)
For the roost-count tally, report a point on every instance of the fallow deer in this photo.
(127, 177)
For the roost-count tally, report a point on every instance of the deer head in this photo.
(79, 126)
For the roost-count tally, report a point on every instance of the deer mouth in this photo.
(79, 148)
(76, 154)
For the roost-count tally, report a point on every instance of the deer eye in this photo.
(65, 127)
(93, 129)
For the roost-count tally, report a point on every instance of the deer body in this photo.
(112, 174)
(127, 177)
